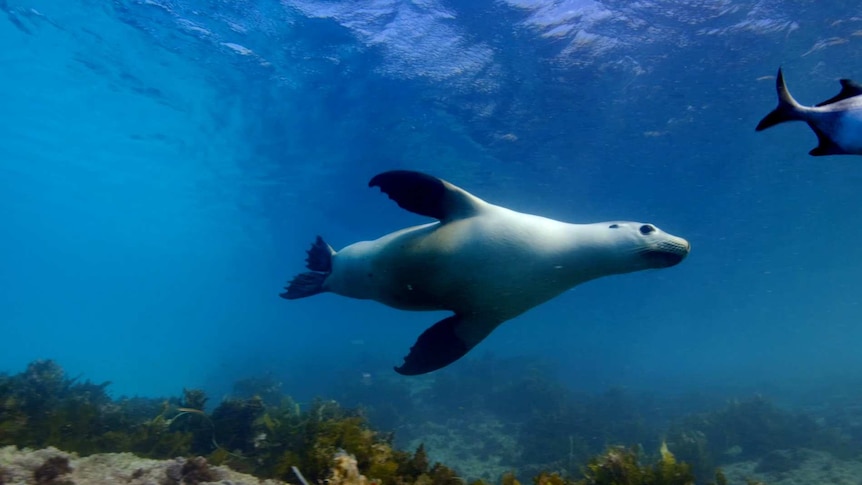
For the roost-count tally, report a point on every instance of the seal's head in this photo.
(649, 246)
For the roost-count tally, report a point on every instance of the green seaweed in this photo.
(621, 466)
(270, 436)
(194, 399)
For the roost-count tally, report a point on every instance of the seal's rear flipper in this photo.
(788, 109)
(319, 256)
(319, 261)
(304, 284)
(426, 195)
(445, 342)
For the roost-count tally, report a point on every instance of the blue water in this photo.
(164, 165)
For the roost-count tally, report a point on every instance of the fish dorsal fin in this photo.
(849, 89)
(825, 145)
(426, 195)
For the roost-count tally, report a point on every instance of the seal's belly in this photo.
(848, 131)
(466, 267)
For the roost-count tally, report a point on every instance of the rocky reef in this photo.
(42, 408)
(50, 466)
(487, 426)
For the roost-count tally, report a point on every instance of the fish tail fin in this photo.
(788, 109)
(319, 261)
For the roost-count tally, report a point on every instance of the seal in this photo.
(837, 122)
(486, 263)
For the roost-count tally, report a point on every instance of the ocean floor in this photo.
(476, 448)
(51, 466)
(797, 467)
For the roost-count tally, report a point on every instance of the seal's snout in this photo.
(667, 253)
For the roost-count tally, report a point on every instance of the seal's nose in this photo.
(687, 246)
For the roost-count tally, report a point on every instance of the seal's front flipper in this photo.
(825, 145)
(319, 261)
(426, 195)
(445, 342)
(849, 89)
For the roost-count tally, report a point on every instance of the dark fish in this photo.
(837, 122)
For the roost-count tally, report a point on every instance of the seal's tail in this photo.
(319, 261)
(788, 109)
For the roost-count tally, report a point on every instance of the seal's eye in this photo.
(646, 229)
(614, 226)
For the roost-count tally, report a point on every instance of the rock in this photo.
(51, 466)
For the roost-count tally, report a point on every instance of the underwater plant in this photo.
(194, 399)
(621, 466)
(42, 407)
(543, 431)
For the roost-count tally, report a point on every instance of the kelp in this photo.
(42, 407)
